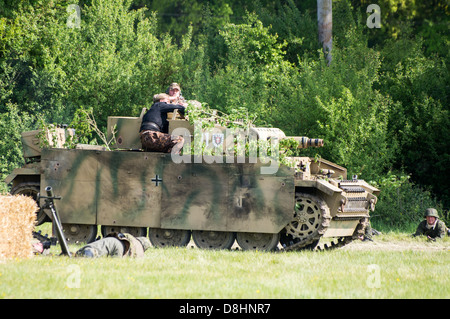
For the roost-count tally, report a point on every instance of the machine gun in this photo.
(55, 218)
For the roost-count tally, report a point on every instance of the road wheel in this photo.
(79, 233)
(135, 231)
(257, 241)
(213, 239)
(169, 237)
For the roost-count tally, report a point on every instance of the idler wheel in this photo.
(31, 189)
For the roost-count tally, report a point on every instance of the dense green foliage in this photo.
(381, 105)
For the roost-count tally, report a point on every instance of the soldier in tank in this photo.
(175, 95)
(154, 127)
(432, 226)
(115, 245)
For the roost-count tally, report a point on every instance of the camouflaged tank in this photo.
(258, 204)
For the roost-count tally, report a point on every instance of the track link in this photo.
(337, 242)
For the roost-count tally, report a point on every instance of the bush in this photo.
(378, 107)
(401, 204)
(11, 126)
(419, 118)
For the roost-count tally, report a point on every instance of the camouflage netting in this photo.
(17, 220)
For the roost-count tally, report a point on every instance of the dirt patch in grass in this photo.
(382, 242)
(398, 245)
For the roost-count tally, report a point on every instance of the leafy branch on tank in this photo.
(201, 114)
(79, 131)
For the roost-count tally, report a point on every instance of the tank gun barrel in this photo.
(305, 142)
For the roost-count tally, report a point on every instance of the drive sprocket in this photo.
(311, 219)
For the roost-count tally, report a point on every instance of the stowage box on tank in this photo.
(257, 203)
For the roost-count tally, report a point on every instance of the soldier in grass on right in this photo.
(432, 226)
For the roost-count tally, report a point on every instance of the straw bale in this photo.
(17, 221)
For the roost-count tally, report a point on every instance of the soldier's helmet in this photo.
(145, 242)
(432, 212)
(174, 86)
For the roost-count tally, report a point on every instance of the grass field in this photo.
(393, 266)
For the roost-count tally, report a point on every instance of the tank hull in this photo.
(260, 204)
(143, 189)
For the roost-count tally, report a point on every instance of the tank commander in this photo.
(154, 127)
(432, 226)
(115, 245)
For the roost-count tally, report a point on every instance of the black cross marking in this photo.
(156, 180)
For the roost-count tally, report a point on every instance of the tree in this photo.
(324, 19)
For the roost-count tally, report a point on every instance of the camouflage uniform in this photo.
(116, 245)
(368, 232)
(154, 141)
(155, 127)
(437, 230)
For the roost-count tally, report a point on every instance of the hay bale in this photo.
(17, 221)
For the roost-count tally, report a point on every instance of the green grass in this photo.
(195, 273)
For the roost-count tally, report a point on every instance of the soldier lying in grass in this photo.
(115, 245)
(432, 226)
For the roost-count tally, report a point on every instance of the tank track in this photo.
(336, 243)
(342, 241)
(301, 244)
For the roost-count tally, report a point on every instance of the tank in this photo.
(218, 198)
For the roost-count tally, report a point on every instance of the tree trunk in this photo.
(324, 18)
